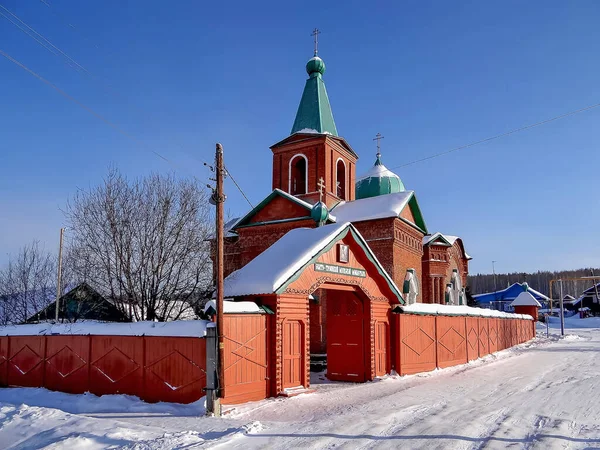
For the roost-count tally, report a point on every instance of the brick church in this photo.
(318, 220)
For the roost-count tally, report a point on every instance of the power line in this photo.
(497, 136)
(42, 40)
(55, 50)
(238, 186)
(87, 108)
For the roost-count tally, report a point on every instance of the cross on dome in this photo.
(378, 138)
(316, 33)
(321, 186)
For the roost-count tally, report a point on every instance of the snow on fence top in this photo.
(177, 328)
(455, 310)
(230, 307)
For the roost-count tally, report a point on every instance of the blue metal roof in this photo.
(508, 294)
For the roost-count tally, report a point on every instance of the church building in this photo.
(331, 254)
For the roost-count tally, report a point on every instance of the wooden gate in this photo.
(381, 345)
(245, 357)
(345, 338)
(292, 353)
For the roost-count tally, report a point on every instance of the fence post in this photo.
(467, 338)
(435, 319)
(7, 361)
(44, 361)
(144, 368)
(213, 405)
(89, 363)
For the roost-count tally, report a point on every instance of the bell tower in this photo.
(314, 150)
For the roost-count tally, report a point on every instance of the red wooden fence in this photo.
(170, 369)
(425, 342)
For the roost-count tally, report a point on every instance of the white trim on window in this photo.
(305, 175)
(345, 178)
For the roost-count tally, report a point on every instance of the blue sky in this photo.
(428, 75)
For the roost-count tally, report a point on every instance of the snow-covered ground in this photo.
(544, 394)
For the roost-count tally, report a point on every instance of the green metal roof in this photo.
(314, 112)
(378, 181)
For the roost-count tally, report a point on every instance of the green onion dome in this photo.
(378, 181)
(315, 65)
(319, 213)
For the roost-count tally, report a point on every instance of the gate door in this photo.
(292, 353)
(345, 341)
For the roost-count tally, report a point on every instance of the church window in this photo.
(340, 179)
(298, 174)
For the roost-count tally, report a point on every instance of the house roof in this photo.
(274, 269)
(525, 299)
(380, 207)
(509, 294)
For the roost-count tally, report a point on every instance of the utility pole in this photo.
(214, 388)
(562, 311)
(495, 285)
(59, 274)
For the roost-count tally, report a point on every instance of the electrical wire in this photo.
(55, 50)
(90, 110)
(238, 186)
(497, 136)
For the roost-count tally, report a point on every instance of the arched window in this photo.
(341, 179)
(298, 174)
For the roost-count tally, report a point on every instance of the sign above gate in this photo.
(340, 270)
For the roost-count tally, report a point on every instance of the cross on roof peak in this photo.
(378, 138)
(316, 33)
(321, 186)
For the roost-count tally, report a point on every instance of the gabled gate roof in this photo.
(278, 266)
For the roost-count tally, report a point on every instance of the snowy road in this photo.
(541, 395)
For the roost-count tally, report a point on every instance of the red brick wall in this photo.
(438, 263)
(397, 246)
(252, 241)
(322, 153)
(280, 208)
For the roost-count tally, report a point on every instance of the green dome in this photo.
(378, 181)
(319, 213)
(315, 65)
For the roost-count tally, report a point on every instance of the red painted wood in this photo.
(381, 346)
(26, 361)
(472, 324)
(174, 369)
(292, 353)
(4, 350)
(345, 337)
(451, 336)
(245, 358)
(417, 344)
(484, 341)
(67, 361)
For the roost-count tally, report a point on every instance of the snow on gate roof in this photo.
(273, 269)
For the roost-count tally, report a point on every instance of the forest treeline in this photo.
(539, 281)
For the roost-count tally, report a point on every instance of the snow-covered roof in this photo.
(231, 307)
(449, 240)
(525, 299)
(510, 293)
(270, 270)
(273, 267)
(379, 207)
(276, 192)
(455, 310)
(185, 328)
(378, 171)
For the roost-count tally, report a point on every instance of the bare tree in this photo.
(27, 284)
(144, 243)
